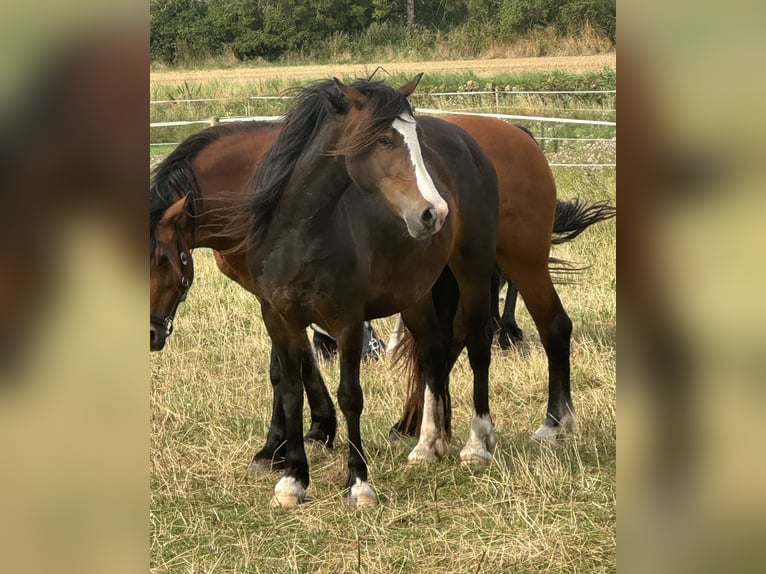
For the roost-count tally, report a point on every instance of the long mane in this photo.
(313, 105)
(174, 176)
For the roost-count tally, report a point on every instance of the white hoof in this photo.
(428, 451)
(361, 495)
(481, 442)
(551, 435)
(288, 493)
(475, 457)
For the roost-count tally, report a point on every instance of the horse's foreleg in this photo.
(474, 306)
(323, 419)
(431, 372)
(351, 402)
(272, 455)
(289, 346)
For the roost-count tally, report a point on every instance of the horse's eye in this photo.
(384, 141)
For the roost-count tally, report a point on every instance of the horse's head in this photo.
(171, 271)
(383, 153)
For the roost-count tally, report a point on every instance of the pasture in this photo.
(535, 508)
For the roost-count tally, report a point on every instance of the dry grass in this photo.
(549, 42)
(264, 76)
(534, 509)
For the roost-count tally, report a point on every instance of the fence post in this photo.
(497, 100)
(214, 121)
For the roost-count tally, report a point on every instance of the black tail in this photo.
(575, 216)
(572, 218)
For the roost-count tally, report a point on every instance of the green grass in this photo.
(233, 99)
(534, 509)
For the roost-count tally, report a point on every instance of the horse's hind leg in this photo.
(323, 418)
(272, 455)
(431, 374)
(509, 334)
(555, 328)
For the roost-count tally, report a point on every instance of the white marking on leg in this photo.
(288, 492)
(481, 442)
(405, 124)
(433, 436)
(567, 427)
(361, 495)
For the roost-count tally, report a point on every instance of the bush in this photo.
(568, 16)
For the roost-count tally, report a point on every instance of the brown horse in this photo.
(528, 208)
(306, 229)
(191, 189)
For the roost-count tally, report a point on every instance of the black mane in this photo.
(174, 177)
(313, 105)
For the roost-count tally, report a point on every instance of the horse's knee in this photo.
(350, 401)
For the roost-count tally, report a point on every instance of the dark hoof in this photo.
(317, 436)
(509, 337)
(269, 458)
(394, 436)
(261, 465)
(397, 433)
(322, 431)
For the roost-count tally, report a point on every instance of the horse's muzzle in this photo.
(157, 338)
(428, 222)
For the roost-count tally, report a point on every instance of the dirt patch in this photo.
(573, 64)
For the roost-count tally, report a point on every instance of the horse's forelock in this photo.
(384, 104)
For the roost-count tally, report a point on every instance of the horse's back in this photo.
(526, 188)
(457, 152)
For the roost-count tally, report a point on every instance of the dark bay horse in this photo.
(390, 225)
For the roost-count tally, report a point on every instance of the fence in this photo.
(544, 135)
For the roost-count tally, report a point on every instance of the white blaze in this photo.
(406, 126)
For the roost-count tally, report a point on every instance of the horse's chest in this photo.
(299, 280)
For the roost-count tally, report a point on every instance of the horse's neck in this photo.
(222, 172)
(210, 223)
(318, 183)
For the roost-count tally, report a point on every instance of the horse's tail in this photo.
(406, 362)
(575, 216)
(572, 218)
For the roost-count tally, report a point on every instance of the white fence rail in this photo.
(437, 94)
(431, 111)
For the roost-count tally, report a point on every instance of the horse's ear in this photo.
(175, 211)
(352, 95)
(410, 86)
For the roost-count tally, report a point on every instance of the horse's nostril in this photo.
(428, 217)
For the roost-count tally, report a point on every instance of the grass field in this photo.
(536, 508)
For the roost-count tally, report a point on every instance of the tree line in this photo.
(182, 31)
